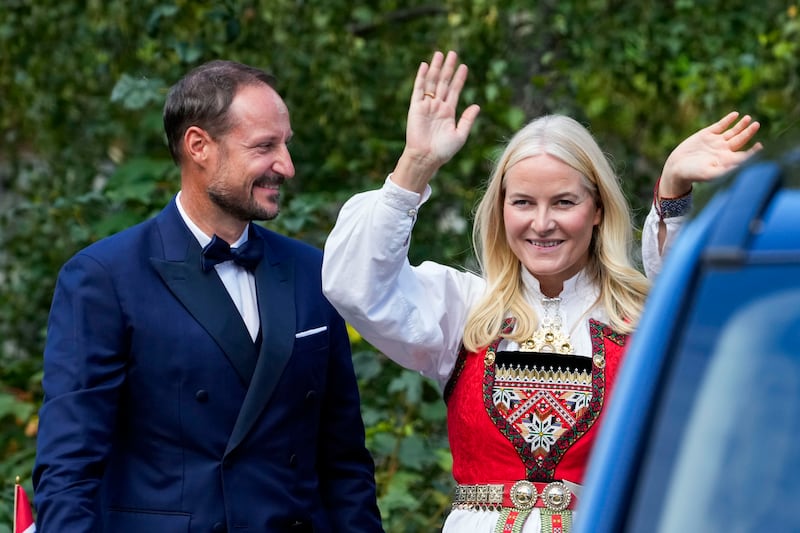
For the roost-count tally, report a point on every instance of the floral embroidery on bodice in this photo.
(542, 404)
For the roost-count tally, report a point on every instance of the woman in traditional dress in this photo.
(526, 352)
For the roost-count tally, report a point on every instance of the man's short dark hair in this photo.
(202, 98)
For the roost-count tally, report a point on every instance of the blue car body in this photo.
(702, 432)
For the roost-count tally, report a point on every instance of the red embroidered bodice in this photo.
(509, 420)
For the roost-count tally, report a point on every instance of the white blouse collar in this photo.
(579, 302)
(577, 288)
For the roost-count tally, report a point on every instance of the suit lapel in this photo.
(276, 306)
(202, 293)
(205, 297)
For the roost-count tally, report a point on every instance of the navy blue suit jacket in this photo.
(161, 416)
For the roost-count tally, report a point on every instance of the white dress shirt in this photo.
(239, 282)
(652, 258)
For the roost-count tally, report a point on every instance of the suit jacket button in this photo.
(311, 396)
(219, 527)
(201, 396)
(293, 460)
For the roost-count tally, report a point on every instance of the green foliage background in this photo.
(82, 152)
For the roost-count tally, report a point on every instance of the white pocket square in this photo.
(308, 332)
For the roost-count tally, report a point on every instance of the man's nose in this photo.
(283, 163)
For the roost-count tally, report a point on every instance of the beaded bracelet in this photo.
(671, 207)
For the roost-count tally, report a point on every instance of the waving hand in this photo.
(433, 132)
(708, 153)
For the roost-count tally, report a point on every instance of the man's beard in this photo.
(245, 209)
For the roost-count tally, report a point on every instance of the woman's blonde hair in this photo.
(623, 288)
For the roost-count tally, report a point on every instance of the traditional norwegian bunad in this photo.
(522, 424)
(521, 418)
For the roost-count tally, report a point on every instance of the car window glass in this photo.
(736, 329)
(739, 455)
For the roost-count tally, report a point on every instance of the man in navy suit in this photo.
(192, 386)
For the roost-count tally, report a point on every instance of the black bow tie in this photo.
(247, 255)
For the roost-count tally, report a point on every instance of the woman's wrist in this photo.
(670, 205)
(414, 172)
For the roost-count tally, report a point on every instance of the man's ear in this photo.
(197, 144)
